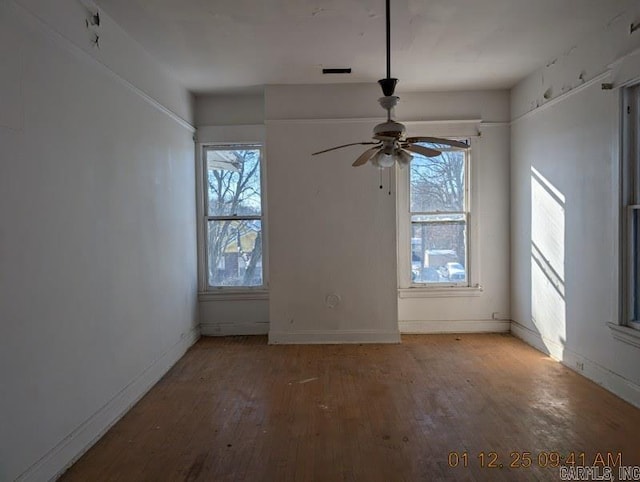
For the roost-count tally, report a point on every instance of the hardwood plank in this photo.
(235, 409)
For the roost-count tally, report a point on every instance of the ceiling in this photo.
(230, 45)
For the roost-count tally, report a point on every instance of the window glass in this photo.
(235, 253)
(438, 183)
(233, 217)
(233, 182)
(438, 217)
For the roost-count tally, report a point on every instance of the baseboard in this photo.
(230, 329)
(616, 384)
(537, 341)
(457, 326)
(74, 445)
(333, 337)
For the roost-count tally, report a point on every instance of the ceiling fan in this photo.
(389, 144)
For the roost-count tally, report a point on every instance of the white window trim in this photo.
(627, 329)
(206, 292)
(408, 289)
(234, 295)
(630, 336)
(432, 291)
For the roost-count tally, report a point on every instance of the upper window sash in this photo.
(232, 174)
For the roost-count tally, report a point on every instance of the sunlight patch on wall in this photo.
(548, 308)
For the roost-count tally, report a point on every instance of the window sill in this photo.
(233, 295)
(627, 335)
(439, 292)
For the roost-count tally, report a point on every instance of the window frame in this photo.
(238, 291)
(630, 208)
(471, 287)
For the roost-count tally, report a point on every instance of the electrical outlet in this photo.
(580, 366)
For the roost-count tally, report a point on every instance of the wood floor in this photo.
(236, 409)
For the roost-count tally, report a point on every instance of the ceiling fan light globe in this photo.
(404, 158)
(375, 160)
(386, 160)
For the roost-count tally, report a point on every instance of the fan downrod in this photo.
(388, 84)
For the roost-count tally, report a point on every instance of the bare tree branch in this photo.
(232, 193)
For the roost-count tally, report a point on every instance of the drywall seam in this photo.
(76, 443)
(71, 47)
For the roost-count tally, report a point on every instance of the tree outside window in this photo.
(234, 216)
(438, 208)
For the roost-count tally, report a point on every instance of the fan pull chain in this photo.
(380, 178)
(389, 181)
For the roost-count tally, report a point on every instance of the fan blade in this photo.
(438, 140)
(345, 145)
(365, 156)
(423, 151)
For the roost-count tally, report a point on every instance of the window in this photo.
(436, 216)
(233, 216)
(630, 216)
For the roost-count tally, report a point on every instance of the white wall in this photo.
(97, 240)
(487, 309)
(229, 110)
(564, 201)
(331, 229)
(295, 112)
(228, 119)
